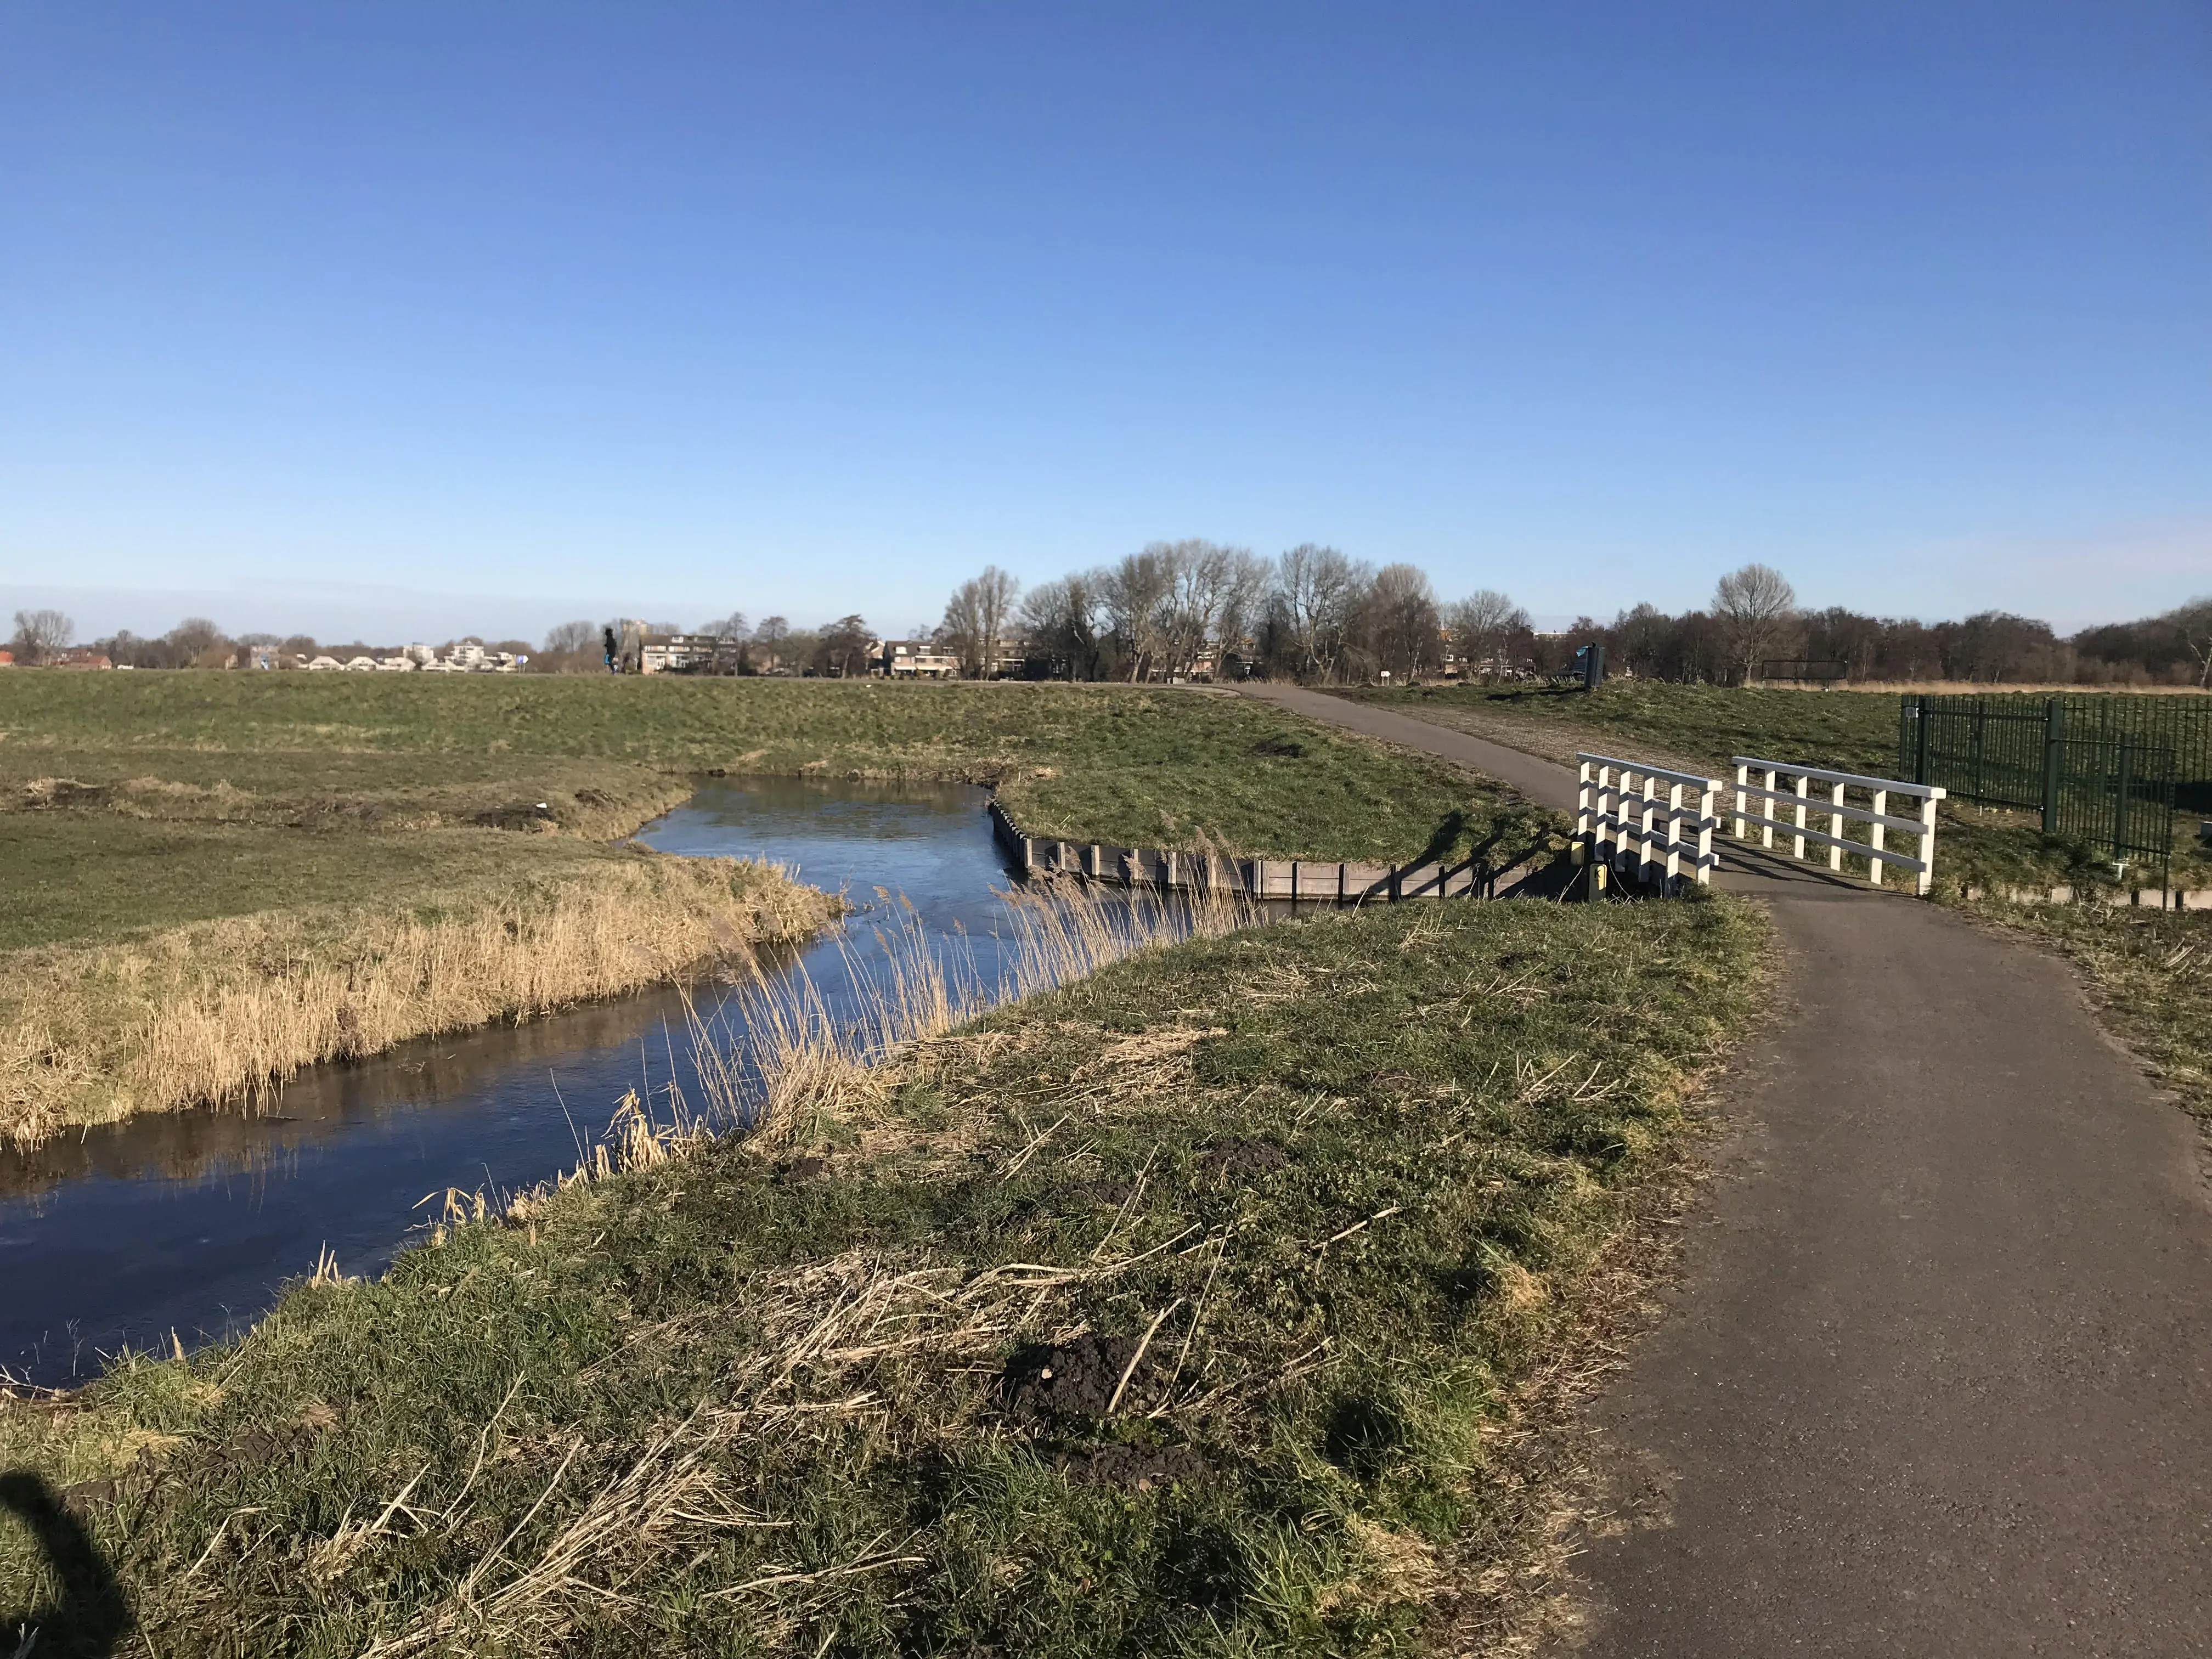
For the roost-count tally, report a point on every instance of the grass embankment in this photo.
(215, 1010)
(1703, 727)
(1197, 1307)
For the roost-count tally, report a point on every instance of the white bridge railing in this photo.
(1663, 818)
(1799, 802)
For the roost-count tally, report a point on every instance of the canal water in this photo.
(181, 1226)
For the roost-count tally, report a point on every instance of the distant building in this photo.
(643, 651)
(7, 657)
(323, 664)
(81, 656)
(915, 659)
(396, 666)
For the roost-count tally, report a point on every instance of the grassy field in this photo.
(1702, 727)
(1207, 1305)
(1132, 766)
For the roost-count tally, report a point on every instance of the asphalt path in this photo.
(1936, 1377)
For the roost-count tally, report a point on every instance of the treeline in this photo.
(1193, 609)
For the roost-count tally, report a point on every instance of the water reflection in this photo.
(174, 1226)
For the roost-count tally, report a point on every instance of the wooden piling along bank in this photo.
(1300, 880)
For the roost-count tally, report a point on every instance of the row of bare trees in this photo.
(1189, 608)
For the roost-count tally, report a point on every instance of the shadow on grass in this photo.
(91, 1615)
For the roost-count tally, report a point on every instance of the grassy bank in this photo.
(1127, 765)
(1702, 727)
(132, 805)
(215, 1010)
(1194, 1308)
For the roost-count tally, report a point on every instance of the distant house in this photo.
(7, 657)
(324, 664)
(396, 666)
(644, 651)
(81, 656)
(914, 659)
(359, 665)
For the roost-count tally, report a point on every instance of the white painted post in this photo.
(1646, 827)
(1673, 834)
(1798, 851)
(1767, 807)
(1836, 825)
(1608, 806)
(1742, 778)
(1706, 837)
(1927, 847)
(1873, 837)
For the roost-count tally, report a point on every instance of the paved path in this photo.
(1937, 1378)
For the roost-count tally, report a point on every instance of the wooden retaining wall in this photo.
(1264, 878)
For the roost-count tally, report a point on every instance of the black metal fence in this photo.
(2110, 771)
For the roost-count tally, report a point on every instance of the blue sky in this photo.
(476, 316)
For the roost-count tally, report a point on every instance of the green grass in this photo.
(1132, 766)
(1356, 1173)
(84, 878)
(1703, 728)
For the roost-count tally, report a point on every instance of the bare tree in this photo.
(731, 626)
(1137, 592)
(1211, 589)
(1063, 619)
(572, 637)
(1402, 627)
(2193, 621)
(845, 646)
(976, 619)
(41, 634)
(1315, 590)
(1480, 625)
(1754, 606)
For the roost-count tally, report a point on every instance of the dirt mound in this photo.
(1045, 1382)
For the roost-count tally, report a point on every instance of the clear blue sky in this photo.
(806, 308)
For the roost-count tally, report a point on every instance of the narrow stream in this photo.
(187, 1222)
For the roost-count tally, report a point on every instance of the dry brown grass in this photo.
(220, 1010)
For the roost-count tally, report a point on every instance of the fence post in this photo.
(1674, 835)
(1927, 845)
(2054, 756)
(1768, 776)
(1646, 835)
(1584, 843)
(1705, 804)
(1836, 825)
(2120, 807)
(1873, 837)
(1742, 778)
(1920, 747)
(1803, 783)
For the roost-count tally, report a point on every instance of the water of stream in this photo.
(187, 1222)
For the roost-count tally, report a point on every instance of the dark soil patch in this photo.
(1047, 1383)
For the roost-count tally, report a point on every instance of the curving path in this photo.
(1937, 1377)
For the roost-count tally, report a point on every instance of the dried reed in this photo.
(775, 1060)
(219, 1010)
